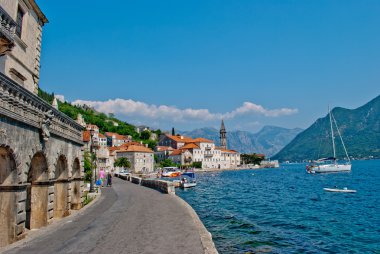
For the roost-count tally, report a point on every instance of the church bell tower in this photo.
(223, 138)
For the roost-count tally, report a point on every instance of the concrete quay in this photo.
(127, 218)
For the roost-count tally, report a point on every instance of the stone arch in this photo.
(8, 197)
(61, 188)
(37, 192)
(76, 202)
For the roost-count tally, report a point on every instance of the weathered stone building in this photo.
(41, 174)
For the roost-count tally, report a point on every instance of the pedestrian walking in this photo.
(102, 176)
(109, 179)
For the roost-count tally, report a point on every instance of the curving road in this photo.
(126, 219)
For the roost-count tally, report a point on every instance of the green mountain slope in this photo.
(360, 129)
(106, 123)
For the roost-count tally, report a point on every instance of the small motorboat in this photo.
(188, 180)
(171, 172)
(344, 190)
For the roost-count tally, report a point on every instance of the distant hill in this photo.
(359, 127)
(269, 140)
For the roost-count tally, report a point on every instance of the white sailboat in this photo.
(330, 165)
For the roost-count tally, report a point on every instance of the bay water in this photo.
(286, 210)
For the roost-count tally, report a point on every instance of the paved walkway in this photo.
(127, 219)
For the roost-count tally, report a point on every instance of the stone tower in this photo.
(223, 138)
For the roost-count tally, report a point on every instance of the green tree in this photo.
(197, 164)
(145, 135)
(122, 162)
(87, 166)
(167, 163)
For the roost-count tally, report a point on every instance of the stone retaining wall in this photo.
(157, 184)
(160, 185)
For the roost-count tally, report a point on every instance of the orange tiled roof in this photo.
(203, 140)
(135, 148)
(227, 151)
(189, 146)
(86, 136)
(176, 152)
(117, 135)
(181, 139)
(164, 148)
(101, 136)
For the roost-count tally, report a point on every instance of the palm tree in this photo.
(122, 162)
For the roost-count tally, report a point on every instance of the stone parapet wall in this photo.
(160, 185)
(19, 104)
(157, 184)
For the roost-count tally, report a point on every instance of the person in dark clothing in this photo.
(109, 179)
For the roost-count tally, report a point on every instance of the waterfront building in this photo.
(202, 150)
(175, 142)
(41, 176)
(182, 157)
(140, 157)
(163, 152)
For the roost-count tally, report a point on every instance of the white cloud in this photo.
(131, 108)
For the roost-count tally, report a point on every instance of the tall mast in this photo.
(332, 133)
(341, 139)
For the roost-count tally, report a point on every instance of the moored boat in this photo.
(345, 190)
(188, 180)
(171, 172)
(331, 165)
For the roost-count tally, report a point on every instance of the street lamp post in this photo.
(92, 182)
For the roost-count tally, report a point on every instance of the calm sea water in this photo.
(286, 210)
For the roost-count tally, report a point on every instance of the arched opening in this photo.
(76, 192)
(8, 208)
(61, 194)
(37, 193)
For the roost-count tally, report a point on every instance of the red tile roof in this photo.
(203, 140)
(117, 135)
(102, 136)
(227, 151)
(135, 148)
(181, 139)
(86, 136)
(164, 148)
(189, 146)
(176, 152)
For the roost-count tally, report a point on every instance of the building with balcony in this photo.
(21, 38)
(41, 176)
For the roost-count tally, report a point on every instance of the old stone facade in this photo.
(41, 173)
(21, 60)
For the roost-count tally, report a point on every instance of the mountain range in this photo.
(269, 140)
(360, 129)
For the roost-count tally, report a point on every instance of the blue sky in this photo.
(190, 63)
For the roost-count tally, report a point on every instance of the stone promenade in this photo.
(126, 219)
